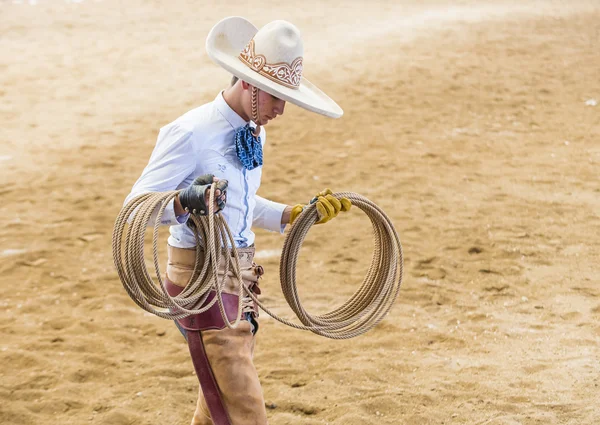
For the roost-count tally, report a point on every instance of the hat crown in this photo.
(279, 42)
(276, 52)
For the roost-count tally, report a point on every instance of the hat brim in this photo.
(224, 44)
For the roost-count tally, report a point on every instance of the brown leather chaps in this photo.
(230, 392)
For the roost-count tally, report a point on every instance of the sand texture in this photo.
(474, 125)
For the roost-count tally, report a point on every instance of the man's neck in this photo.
(232, 96)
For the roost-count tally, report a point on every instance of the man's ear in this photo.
(245, 85)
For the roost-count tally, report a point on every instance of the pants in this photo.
(229, 351)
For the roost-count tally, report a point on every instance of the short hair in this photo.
(234, 80)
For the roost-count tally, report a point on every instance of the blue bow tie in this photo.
(248, 147)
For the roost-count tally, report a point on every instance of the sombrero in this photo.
(269, 59)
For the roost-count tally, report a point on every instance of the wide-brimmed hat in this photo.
(269, 59)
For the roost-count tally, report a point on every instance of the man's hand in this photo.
(195, 197)
(295, 212)
(328, 206)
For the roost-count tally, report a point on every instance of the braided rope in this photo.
(360, 313)
(255, 116)
(130, 264)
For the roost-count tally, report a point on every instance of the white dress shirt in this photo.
(202, 142)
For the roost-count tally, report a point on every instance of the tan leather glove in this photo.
(296, 210)
(328, 206)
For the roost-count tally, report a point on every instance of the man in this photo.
(222, 142)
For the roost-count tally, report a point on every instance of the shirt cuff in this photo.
(270, 216)
(170, 218)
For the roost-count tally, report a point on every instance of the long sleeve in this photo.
(267, 215)
(171, 162)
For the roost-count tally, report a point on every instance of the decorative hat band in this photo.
(282, 73)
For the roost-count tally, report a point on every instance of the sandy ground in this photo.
(472, 124)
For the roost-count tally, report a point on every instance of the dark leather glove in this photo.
(194, 198)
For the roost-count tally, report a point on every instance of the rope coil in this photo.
(360, 313)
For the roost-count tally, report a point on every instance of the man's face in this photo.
(269, 107)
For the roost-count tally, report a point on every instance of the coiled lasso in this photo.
(360, 313)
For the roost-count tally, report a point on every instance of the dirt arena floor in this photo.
(474, 124)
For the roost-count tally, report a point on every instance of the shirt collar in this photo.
(229, 114)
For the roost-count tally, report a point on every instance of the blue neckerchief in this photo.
(248, 147)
